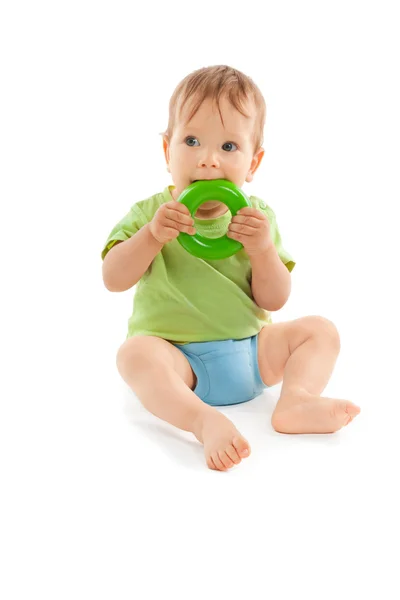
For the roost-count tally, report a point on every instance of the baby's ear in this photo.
(249, 177)
(255, 163)
(166, 147)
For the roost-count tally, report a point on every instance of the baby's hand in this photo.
(170, 219)
(251, 228)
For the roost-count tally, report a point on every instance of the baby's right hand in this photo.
(170, 219)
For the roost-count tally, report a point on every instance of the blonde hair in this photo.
(214, 82)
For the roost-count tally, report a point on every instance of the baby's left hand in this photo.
(251, 228)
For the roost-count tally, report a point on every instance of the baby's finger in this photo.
(178, 206)
(245, 229)
(247, 220)
(251, 212)
(235, 235)
(176, 215)
(171, 232)
(170, 223)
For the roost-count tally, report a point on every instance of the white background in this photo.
(99, 499)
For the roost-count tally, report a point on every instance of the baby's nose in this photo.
(209, 160)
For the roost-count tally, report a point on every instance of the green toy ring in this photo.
(196, 194)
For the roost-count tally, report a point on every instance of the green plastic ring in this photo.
(196, 194)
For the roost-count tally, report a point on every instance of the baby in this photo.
(201, 334)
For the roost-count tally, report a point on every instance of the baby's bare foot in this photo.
(305, 413)
(224, 446)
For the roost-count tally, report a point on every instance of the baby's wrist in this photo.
(152, 239)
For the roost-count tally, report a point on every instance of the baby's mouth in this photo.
(196, 180)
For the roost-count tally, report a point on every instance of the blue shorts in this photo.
(227, 371)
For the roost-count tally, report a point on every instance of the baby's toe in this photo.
(224, 458)
(345, 411)
(242, 446)
(210, 464)
(217, 462)
(233, 455)
(352, 409)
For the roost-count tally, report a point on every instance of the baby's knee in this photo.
(134, 355)
(324, 327)
(142, 354)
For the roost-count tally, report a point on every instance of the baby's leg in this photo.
(303, 352)
(163, 380)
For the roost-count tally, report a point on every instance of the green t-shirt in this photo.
(182, 298)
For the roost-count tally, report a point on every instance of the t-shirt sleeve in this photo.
(285, 257)
(125, 228)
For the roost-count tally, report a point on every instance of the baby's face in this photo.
(204, 148)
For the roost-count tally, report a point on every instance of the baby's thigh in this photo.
(153, 354)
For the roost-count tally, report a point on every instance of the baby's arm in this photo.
(127, 261)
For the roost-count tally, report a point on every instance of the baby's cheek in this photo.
(237, 160)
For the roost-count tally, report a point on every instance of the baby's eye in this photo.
(191, 141)
(229, 146)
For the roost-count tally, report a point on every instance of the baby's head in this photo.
(215, 129)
